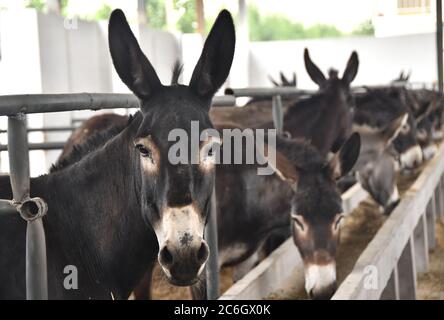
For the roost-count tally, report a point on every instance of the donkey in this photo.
(123, 206)
(376, 165)
(325, 119)
(247, 218)
(380, 106)
(89, 127)
(302, 195)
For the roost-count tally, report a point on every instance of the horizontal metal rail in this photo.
(268, 92)
(388, 267)
(40, 103)
(46, 129)
(40, 146)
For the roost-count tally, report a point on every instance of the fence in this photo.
(388, 267)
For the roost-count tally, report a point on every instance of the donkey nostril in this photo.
(166, 257)
(202, 253)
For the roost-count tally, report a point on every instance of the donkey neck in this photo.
(96, 219)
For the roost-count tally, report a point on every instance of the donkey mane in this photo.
(93, 142)
(177, 72)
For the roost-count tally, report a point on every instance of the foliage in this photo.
(156, 13)
(279, 27)
(365, 29)
(102, 14)
(187, 21)
(39, 5)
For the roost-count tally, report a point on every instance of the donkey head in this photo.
(316, 207)
(174, 197)
(334, 83)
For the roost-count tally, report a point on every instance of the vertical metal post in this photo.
(212, 268)
(439, 46)
(36, 271)
(278, 116)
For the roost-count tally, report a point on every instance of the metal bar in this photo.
(421, 245)
(407, 272)
(48, 129)
(439, 45)
(268, 92)
(278, 115)
(36, 271)
(40, 146)
(40, 103)
(6, 208)
(212, 268)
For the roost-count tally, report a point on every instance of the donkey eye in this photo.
(298, 222)
(144, 151)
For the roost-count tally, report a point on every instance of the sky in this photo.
(344, 14)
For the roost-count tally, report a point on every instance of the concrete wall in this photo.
(381, 59)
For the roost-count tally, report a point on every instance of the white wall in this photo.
(381, 59)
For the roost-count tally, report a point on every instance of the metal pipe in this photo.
(36, 271)
(439, 45)
(278, 115)
(212, 268)
(40, 146)
(47, 129)
(6, 208)
(39, 103)
(268, 92)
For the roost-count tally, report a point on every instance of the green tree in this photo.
(39, 5)
(156, 13)
(187, 21)
(102, 14)
(366, 28)
(280, 27)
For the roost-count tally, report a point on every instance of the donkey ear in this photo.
(345, 159)
(214, 64)
(393, 128)
(274, 82)
(352, 68)
(294, 81)
(131, 64)
(313, 71)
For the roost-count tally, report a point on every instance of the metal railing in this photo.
(388, 267)
(15, 107)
